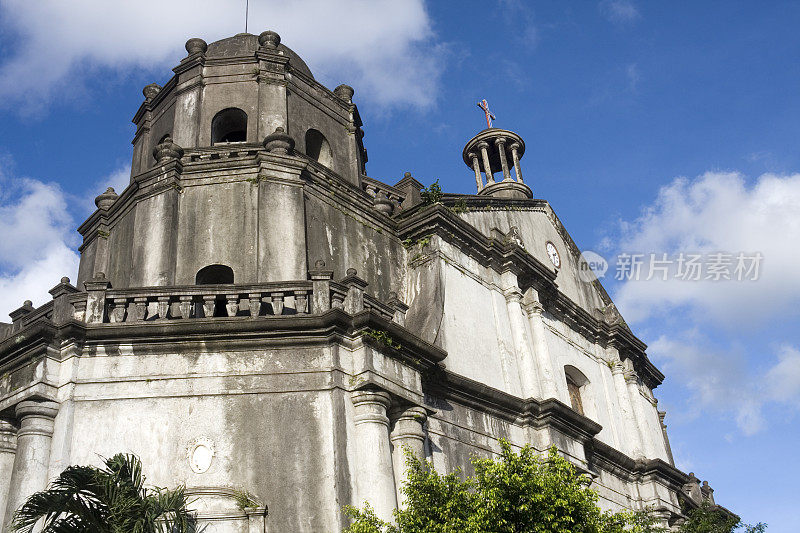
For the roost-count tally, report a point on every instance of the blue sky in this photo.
(657, 127)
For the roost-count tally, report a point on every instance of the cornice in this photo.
(527, 412)
(419, 222)
(227, 331)
(609, 458)
(446, 385)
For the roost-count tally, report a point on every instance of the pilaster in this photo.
(546, 364)
(522, 346)
(32, 459)
(374, 470)
(408, 434)
(631, 439)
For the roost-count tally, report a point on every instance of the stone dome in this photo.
(246, 44)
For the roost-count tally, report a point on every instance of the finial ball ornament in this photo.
(195, 45)
(167, 150)
(150, 91)
(269, 39)
(279, 142)
(351, 272)
(345, 92)
(105, 200)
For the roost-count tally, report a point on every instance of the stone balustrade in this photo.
(101, 304)
(207, 301)
(223, 151)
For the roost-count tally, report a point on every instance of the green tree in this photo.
(431, 195)
(708, 518)
(517, 493)
(86, 499)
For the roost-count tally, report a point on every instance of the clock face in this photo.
(552, 253)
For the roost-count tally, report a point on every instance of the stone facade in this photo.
(255, 313)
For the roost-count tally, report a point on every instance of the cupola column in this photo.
(487, 167)
(476, 166)
(515, 158)
(31, 462)
(374, 470)
(500, 143)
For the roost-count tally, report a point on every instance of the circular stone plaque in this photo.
(201, 454)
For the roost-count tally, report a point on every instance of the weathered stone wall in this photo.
(537, 226)
(346, 238)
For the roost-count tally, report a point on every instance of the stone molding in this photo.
(36, 417)
(408, 423)
(371, 406)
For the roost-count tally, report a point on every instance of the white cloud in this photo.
(719, 212)
(718, 380)
(619, 11)
(386, 50)
(784, 377)
(37, 247)
(721, 381)
(518, 16)
(633, 75)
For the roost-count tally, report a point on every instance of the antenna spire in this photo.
(246, 14)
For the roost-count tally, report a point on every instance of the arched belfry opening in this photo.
(214, 275)
(318, 148)
(229, 126)
(576, 386)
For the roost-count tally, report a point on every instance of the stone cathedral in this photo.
(255, 313)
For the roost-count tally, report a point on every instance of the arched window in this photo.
(213, 275)
(576, 386)
(318, 148)
(229, 126)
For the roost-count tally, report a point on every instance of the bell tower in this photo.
(221, 156)
(495, 150)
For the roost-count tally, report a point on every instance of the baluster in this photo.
(139, 309)
(277, 303)
(163, 307)
(337, 300)
(185, 306)
(301, 301)
(209, 302)
(79, 310)
(232, 304)
(117, 313)
(255, 304)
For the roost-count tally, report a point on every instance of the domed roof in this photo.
(244, 44)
